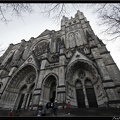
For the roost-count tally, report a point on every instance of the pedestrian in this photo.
(55, 108)
(43, 110)
(63, 104)
(68, 106)
(10, 113)
(39, 110)
(48, 105)
(51, 105)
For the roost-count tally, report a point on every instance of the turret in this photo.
(80, 15)
(64, 19)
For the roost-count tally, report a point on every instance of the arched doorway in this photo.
(49, 89)
(20, 87)
(29, 96)
(90, 94)
(53, 91)
(24, 99)
(80, 70)
(21, 96)
(80, 95)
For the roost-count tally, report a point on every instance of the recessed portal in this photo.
(90, 94)
(49, 93)
(21, 101)
(53, 92)
(21, 96)
(80, 95)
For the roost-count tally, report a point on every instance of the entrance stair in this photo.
(72, 112)
(92, 112)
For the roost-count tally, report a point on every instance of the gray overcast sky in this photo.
(32, 25)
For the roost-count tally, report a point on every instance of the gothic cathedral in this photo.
(71, 64)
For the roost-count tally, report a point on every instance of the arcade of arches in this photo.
(81, 87)
(20, 90)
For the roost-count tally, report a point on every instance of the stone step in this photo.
(72, 111)
(92, 111)
(4, 112)
(48, 112)
(28, 113)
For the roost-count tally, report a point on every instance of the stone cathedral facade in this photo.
(71, 64)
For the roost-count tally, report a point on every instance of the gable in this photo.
(31, 60)
(78, 56)
(45, 33)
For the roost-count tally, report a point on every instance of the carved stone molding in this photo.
(30, 59)
(41, 48)
(68, 54)
(30, 78)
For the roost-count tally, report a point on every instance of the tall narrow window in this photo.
(58, 45)
(71, 40)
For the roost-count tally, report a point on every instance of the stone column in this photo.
(30, 102)
(27, 101)
(62, 68)
(36, 97)
(38, 89)
(61, 93)
(24, 101)
(61, 90)
(86, 100)
(16, 99)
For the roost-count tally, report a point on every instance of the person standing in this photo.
(39, 110)
(10, 113)
(55, 108)
(43, 110)
(68, 106)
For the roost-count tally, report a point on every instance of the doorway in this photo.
(53, 91)
(21, 101)
(49, 89)
(80, 98)
(21, 96)
(90, 94)
(80, 95)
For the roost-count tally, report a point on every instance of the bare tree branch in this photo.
(108, 13)
(109, 18)
(57, 10)
(13, 9)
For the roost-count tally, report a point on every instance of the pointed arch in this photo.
(49, 88)
(92, 101)
(19, 87)
(78, 84)
(58, 42)
(23, 87)
(83, 65)
(80, 94)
